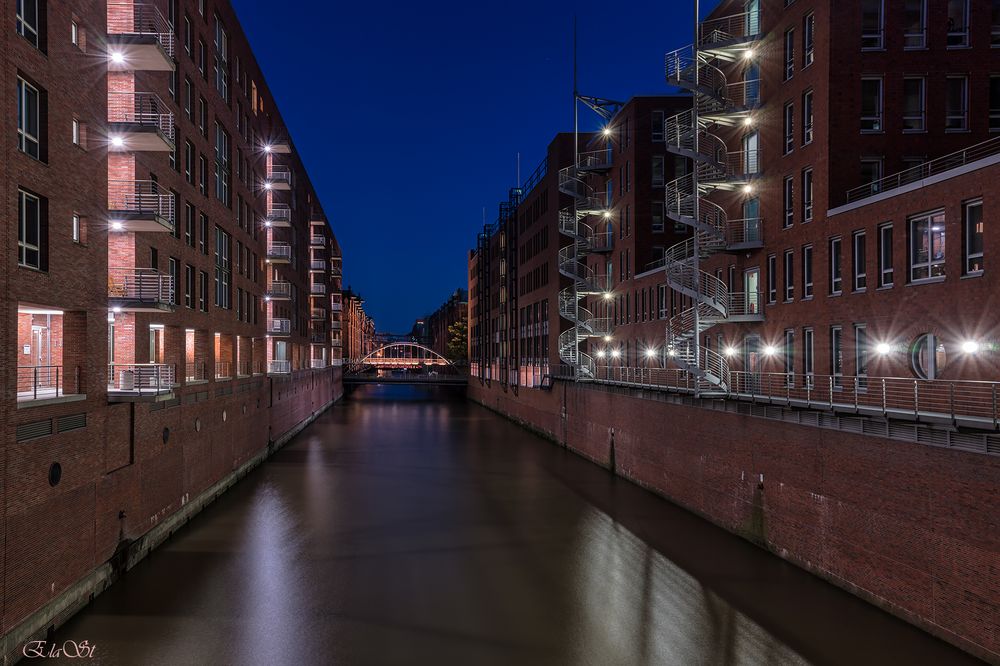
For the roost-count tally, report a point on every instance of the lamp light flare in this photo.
(748, 189)
(970, 347)
(770, 350)
(117, 226)
(607, 338)
(606, 131)
(650, 353)
(117, 57)
(117, 141)
(601, 353)
(615, 353)
(730, 351)
(749, 54)
(267, 148)
(883, 348)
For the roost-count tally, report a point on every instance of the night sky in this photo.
(409, 116)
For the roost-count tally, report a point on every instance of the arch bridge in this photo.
(403, 362)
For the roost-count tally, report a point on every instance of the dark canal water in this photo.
(408, 526)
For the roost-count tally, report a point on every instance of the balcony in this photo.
(336, 342)
(278, 253)
(139, 38)
(279, 367)
(244, 368)
(279, 327)
(136, 382)
(140, 205)
(278, 290)
(278, 147)
(318, 338)
(279, 177)
(139, 122)
(318, 313)
(335, 325)
(194, 373)
(278, 215)
(317, 289)
(223, 370)
(140, 290)
(48, 383)
(336, 270)
(317, 265)
(317, 363)
(337, 307)
(316, 240)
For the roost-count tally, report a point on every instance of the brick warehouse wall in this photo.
(875, 516)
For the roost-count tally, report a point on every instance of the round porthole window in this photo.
(928, 356)
(197, 425)
(55, 474)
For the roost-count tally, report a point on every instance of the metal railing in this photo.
(595, 160)
(244, 368)
(279, 326)
(317, 288)
(278, 289)
(317, 363)
(277, 250)
(934, 167)
(140, 18)
(318, 313)
(140, 197)
(317, 264)
(743, 26)
(141, 108)
(223, 369)
(140, 378)
(194, 371)
(317, 240)
(279, 212)
(279, 173)
(336, 271)
(145, 285)
(279, 367)
(46, 381)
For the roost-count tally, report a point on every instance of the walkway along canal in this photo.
(410, 526)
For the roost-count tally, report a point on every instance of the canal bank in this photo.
(908, 527)
(411, 526)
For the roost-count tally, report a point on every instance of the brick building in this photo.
(803, 283)
(171, 299)
(359, 329)
(433, 330)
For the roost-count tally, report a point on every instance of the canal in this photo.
(409, 526)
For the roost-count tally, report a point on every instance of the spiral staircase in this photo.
(719, 106)
(582, 223)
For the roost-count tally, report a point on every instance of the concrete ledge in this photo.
(55, 400)
(59, 610)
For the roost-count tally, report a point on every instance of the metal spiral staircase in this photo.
(579, 222)
(719, 106)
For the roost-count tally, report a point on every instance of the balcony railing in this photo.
(140, 285)
(279, 212)
(194, 371)
(278, 251)
(335, 325)
(143, 109)
(244, 368)
(140, 378)
(317, 288)
(279, 176)
(318, 313)
(279, 326)
(317, 264)
(278, 290)
(926, 170)
(39, 382)
(141, 19)
(317, 363)
(279, 367)
(336, 342)
(140, 198)
(317, 240)
(336, 270)
(223, 369)
(337, 307)
(318, 338)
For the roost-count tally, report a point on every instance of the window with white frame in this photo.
(872, 24)
(914, 104)
(914, 24)
(789, 275)
(808, 39)
(77, 229)
(836, 278)
(28, 15)
(807, 117)
(957, 104)
(837, 355)
(972, 224)
(29, 230)
(788, 129)
(871, 104)
(657, 129)
(926, 246)
(751, 153)
(772, 278)
(807, 195)
(871, 172)
(788, 355)
(861, 355)
(808, 355)
(789, 53)
(29, 113)
(858, 257)
(885, 277)
(958, 23)
(788, 219)
(807, 271)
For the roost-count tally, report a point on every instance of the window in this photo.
(189, 286)
(808, 39)
(188, 35)
(174, 269)
(203, 116)
(836, 279)
(914, 104)
(29, 113)
(872, 24)
(871, 172)
(221, 60)
(807, 117)
(751, 152)
(807, 271)
(972, 223)
(788, 129)
(203, 175)
(657, 135)
(914, 24)
(788, 219)
(861, 355)
(837, 355)
(189, 162)
(657, 214)
(201, 58)
(858, 261)
(995, 24)
(223, 268)
(203, 291)
(658, 172)
(28, 24)
(995, 100)
(74, 33)
(772, 278)
(885, 255)
(789, 53)
(789, 275)
(789, 357)
(31, 231)
(808, 358)
(871, 105)
(188, 99)
(189, 225)
(927, 246)
(807, 195)
(75, 132)
(957, 104)
(77, 228)
(958, 23)
(928, 356)
(203, 234)
(223, 169)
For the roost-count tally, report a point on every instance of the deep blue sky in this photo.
(409, 116)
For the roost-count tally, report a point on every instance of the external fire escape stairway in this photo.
(719, 104)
